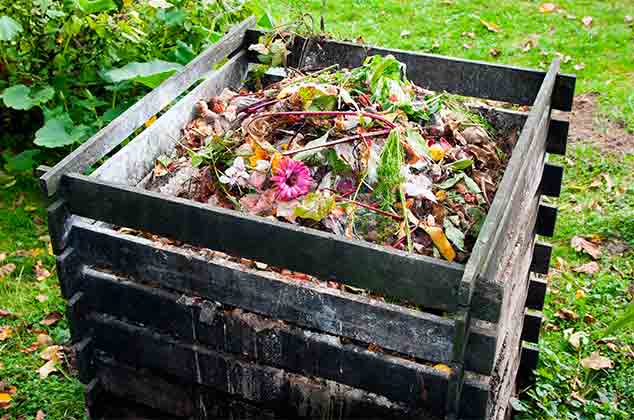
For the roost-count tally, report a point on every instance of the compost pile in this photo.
(361, 153)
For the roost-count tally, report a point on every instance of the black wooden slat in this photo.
(552, 176)
(528, 364)
(541, 258)
(271, 387)
(266, 341)
(536, 293)
(119, 129)
(301, 303)
(439, 73)
(532, 326)
(83, 353)
(557, 135)
(58, 224)
(546, 219)
(424, 280)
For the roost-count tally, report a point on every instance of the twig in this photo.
(325, 114)
(339, 141)
(369, 207)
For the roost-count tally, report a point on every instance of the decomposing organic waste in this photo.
(361, 153)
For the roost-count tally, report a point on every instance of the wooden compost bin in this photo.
(180, 336)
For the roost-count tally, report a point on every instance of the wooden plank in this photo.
(83, 357)
(438, 73)
(541, 258)
(558, 135)
(550, 184)
(419, 279)
(59, 220)
(41, 170)
(266, 341)
(536, 293)
(271, 387)
(546, 220)
(528, 364)
(302, 303)
(532, 326)
(134, 161)
(121, 127)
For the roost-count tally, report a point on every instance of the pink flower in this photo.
(292, 179)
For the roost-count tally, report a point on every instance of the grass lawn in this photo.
(597, 202)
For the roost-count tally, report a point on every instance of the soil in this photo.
(588, 125)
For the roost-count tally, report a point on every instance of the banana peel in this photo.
(441, 242)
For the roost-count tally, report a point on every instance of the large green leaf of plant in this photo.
(150, 74)
(9, 28)
(96, 6)
(22, 162)
(23, 97)
(56, 133)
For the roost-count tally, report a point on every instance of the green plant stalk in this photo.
(408, 232)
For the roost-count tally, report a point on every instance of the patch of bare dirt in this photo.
(587, 124)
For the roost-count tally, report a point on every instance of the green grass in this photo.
(584, 209)
(22, 225)
(605, 48)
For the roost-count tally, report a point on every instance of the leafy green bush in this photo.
(81, 63)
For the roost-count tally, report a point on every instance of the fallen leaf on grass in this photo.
(41, 273)
(467, 46)
(28, 253)
(580, 294)
(547, 7)
(405, 33)
(588, 268)
(616, 246)
(587, 21)
(44, 340)
(494, 52)
(7, 269)
(471, 35)
(629, 19)
(596, 362)
(589, 319)
(51, 319)
(5, 400)
(575, 339)
(5, 314)
(493, 27)
(52, 355)
(567, 314)
(40, 415)
(41, 298)
(580, 244)
(580, 66)
(3, 256)
(577, 397)
(609, 183)
(5, 333)
(30, 209)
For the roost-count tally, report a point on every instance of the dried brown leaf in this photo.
(567, 314)
(41, 298)
(5, 333)
(495, 52)
(7, 269)
(588, 268)
(575, 339)
(596, 362)
(41, 273)
(580, 66)
(547, 7)
(5, 313)
(51, 318)
(40, 415)
(580, 244)
(47, 368)
(3, 256)
(491, 26)
(629, 19)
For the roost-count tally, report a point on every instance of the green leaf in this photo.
(183, 53)
(450, 182)
(150, 74)
(22, 162)
(266, 21)
(55, 133)
(172, 17)
(315, 206)
(417, 142)
(96, 6)
(454, 234)
(23, 97)
(9, 28)
(460, 165)
(471, 184)
(338, 165)
(17, 97)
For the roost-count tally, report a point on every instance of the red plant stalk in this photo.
(340, 141)
(371, 208)
(326, 113)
